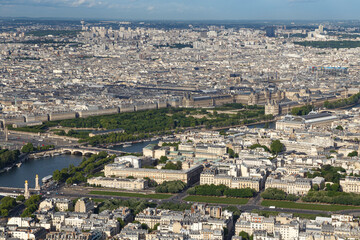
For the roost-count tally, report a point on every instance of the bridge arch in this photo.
(77, 152)
(66, 151)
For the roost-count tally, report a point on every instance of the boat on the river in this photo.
(127, 144)
(8, 169)
(46, 179)
(19, 164)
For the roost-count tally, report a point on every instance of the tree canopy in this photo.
(8, 157)
(171, 187)
(304, 110)
(276, 147)
(221, 190)
(173, 166)
(353, 154)
(330, 173)
(278, 194)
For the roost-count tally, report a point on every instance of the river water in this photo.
(41, 166)
(137, 147)
(47, 165)
(262, 125)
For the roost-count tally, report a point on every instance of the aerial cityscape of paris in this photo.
(180, 119)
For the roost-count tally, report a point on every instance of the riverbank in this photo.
(47, 153)
(129, 143)
(22, 158)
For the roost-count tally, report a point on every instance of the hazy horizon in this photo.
(184, 10)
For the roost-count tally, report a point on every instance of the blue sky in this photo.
(184, 9)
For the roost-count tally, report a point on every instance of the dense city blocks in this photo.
(178, 130)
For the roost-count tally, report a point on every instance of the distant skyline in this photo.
(184, 9)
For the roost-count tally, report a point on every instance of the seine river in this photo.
(41, 166)
(47, 165)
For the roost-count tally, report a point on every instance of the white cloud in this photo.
(88, 3)
(55, 3)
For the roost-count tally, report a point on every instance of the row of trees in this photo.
(175, 206)
(29, 148)
(330, 44)
(116, 138)
(8, 157)
(354, 99)
(332, 197)
(171, 187)
(174, 45)
(300, 111)
(73, 133)
(304, 110)
(31, 205)
(6, 204)
(221, 190)
(329, 193)
(78, 174)
(134, 205)
(278, 194)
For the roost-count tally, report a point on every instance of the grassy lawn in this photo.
(211, 199)
(308, 206)
(137, 195)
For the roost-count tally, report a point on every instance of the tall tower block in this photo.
(26, 193)
(37, 185)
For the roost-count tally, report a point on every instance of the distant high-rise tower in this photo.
(270, 31)
(321, 28)
(83, 27)
(37, 185)
(26, 193)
